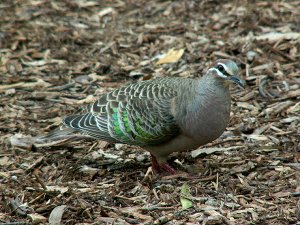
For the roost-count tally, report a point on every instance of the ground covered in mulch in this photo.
(58, 55)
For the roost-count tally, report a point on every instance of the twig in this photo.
(40, 182)
(62, 87)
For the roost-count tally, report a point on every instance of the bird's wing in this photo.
(138, 114)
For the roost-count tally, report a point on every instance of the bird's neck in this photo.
(212, 85)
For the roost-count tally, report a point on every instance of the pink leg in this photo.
(155, 165)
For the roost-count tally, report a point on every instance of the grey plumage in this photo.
(162, 115)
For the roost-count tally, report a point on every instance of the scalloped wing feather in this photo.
(138, 114)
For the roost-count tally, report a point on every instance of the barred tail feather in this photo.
(57, 134)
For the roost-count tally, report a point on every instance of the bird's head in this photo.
(228, 70)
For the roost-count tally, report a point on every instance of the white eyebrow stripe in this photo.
(218, 72)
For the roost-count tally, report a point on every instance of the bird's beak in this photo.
(238, 81)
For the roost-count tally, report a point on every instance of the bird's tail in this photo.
(62, 132)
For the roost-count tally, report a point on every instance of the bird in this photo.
(163, 115)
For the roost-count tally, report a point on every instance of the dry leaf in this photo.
(273, 36)
(171, 57)
(106, 11)
(57, 189)
(37, 218)
(208, 151)
(5, 161)
(56, 215)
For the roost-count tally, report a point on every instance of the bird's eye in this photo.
(221, 69)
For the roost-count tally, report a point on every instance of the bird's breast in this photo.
(207, 120)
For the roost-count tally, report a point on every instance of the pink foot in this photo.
(166, 167)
